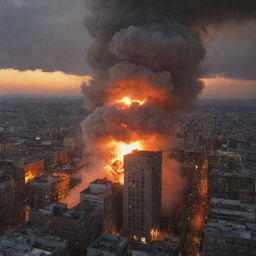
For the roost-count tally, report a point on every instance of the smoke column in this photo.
(145, 57)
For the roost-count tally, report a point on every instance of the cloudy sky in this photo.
(43, 46)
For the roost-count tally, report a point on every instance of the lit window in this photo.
(143, 240)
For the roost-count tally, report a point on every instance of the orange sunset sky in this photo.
(38, 82)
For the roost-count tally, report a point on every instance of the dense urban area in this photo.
(41, 152)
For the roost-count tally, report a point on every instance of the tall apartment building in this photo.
(142, 195)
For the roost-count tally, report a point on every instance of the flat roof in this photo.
(109, 243)
(44, 179)
(140, 153)
(101, 181)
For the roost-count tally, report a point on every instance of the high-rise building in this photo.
(142, 195)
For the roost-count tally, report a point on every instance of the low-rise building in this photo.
(32, 168)
(108, 245)
(159, 248)
(48, 189)
(100, 193)
(229, 238)
(233, 184)
(80, 225)
(61, 157)
(30, 241)
(227, 209)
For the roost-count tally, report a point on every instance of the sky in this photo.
(43, 47)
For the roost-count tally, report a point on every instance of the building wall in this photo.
(61, 157)
(33, 170)
(79, 233)
(12, 202)
(232, 187)
(217, 245)
(142, 195)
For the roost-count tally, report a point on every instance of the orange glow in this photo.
(29, 176)
(154, 234)
(115, 166)
(129, 91)
(38, 82)
(128, 101)
(228, 88)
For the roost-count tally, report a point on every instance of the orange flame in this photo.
(128, 101)
(115, 166)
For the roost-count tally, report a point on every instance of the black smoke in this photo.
(156, 43)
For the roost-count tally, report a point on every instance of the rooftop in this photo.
(44, 179)
(139, 153)
(80, 212)
(29, 240)
(110, 243)
(243, 173)
(160, 248)
(229, 229)
(101, 181)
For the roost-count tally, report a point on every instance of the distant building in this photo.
(230, 229)
(33, 169)
(108, 245)
(232, 210)
(48, 189)
(70, 142)
(80, 225)
(29, 241)
(61, 157)
(142, 195)
(229, 238)
(233, 184)
(12, 196)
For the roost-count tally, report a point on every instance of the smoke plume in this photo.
(149, 52)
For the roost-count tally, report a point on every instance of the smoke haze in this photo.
(149, 51)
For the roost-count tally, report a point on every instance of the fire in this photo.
(154, 234)
(125, 149)
(115, 166)
(128, 101)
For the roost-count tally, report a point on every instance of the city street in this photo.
(194, 239)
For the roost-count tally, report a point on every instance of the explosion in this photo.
(128, 101)
(115, 165)
(145, 59)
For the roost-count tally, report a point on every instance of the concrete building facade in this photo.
(142, 195)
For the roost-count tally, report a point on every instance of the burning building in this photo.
(145, 58)
(32, 168)
(48, 189)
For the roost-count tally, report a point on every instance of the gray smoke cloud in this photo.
(48, 35)
(150, 51)
(156, 43)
